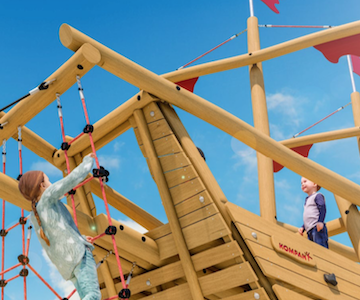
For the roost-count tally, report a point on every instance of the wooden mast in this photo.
(261, 122)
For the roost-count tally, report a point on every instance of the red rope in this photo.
(3, 223)
(296, 26)
(100, 181)
(72, 293)
(340, 108)
(65, 153)
(11, 268)
(42, 279)
(74, 139)
(223, 43)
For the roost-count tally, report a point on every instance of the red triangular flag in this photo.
(356, 64)
(271, 4)
(335, 49)
(188, 84)
(302, 150)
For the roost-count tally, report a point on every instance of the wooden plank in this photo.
(194, 203)
(246, 218)
(186, 190)
(178, 292)
(285, 294)
(138, 137)
(251, 295)
(226, 279)
(319, 290)
(175, 161)
(188, 219)
(195, 235)
(312, 275)
(179, 176)
(152, 112)
(157, 277)
(216, 255)
(159, 129)
(167, 145)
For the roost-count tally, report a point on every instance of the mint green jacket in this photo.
(67, 246)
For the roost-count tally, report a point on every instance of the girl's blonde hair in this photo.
(29, 186)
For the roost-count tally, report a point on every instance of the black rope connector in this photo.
(124, 294)
(101, 173)
(18, 178)
(65, 146)
(88, 128)
(43, 86)
(22, 221)
(111, 230)
(72, 192)
(24, 273)
(64, 299)
(3, 232)
(1, 127)
(24, 260)
(3, 283)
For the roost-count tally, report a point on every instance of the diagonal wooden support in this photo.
(160, 180)
(87, 57)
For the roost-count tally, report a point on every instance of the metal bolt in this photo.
(148, 282)
(201, 199)
(152, 114)
(254, 235)
(256, 296)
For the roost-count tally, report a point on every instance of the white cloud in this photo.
(286, 105)
(276, 132)
(132, 224)
(46, 167)
(63, 287)
(109, 161)
(118, 145)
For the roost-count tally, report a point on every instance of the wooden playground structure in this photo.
(211, 248)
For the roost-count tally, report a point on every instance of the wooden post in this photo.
(87, 56)
(159, 178)
(351, 218)
(73, 39)
(261, 122)
(355, 102)
(335, 227)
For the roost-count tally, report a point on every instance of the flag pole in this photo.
(351, 73)
(251, 8)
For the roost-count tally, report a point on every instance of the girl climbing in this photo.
(69, 251)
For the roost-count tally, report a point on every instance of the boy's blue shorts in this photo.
(319, 237)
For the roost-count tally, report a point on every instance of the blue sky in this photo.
(301, 88)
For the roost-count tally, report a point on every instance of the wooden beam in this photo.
(261, 122)
(87, 56)
(237, 128)
(351, 217)
(125, 206)
(73, 39)
(106, 126)
(321, 137)
(335, 227)
(159, 178)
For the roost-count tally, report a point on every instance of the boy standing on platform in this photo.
(314, 213)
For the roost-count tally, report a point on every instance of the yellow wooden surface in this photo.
(196, 202)
(223, 280)
(216, 255)
(251, 295)
(287, 294)
(172, 162)
(167, 145)
(257, 234)
(157, 277)
(130, 240)
(186, 190)
(159, 129)
(335, 226)
(195, 235)
(152, 112)
(179, 176)
(178, 292)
